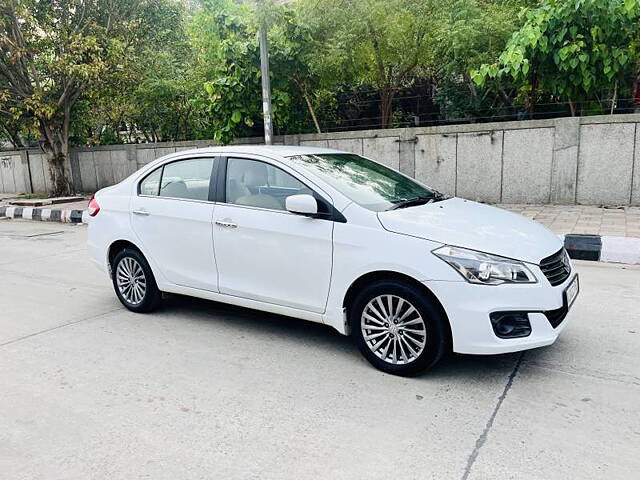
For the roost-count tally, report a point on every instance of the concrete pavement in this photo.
(204, 390)
(620, 221)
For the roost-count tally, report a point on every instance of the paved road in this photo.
(203, 390)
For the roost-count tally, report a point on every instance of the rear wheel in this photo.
(134, 282)
(398, 328)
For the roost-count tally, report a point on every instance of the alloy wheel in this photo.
(131, 280)
(393, 329)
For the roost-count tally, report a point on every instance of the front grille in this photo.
(556, 317)
(556, 267)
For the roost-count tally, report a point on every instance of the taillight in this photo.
(93, 207)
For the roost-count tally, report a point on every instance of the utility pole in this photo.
(266, 86)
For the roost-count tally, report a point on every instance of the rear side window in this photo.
(151, 184)
(187, 179)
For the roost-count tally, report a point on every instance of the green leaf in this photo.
(630, 5)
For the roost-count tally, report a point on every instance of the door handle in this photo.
(141, 212)
(226, 224)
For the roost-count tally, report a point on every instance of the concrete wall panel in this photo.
(48, 184)
(162, 151)
(39, 172)
(564, 166)
(351, 145)
(120, 165)
(436, 162)
(635, 191)
(87, 171)
(182, 148)
(19, 174)
(479, 168)
(385, 150)
(314, 143)
(526, 167)
(104, 168)
(8, 172)
(146, 155)
(604, 164)
(3, 159)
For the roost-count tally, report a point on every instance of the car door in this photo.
(264, 252)
(171, 215)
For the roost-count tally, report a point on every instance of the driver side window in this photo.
(258, 184)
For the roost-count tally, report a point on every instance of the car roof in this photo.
(268, 150)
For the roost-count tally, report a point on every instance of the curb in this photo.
(45, 214)
(594, 248)
(606, 249)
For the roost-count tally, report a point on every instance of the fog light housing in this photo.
(510, 324)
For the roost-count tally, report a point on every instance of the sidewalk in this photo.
(583, 219)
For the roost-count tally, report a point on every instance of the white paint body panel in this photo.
(476, 226)
(274, 256)
(293, 265)
(178, 235)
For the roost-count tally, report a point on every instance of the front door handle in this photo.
(226, 224)
(141, 212)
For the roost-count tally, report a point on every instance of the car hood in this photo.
(468, 224)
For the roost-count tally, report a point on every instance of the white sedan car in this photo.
(334, 238)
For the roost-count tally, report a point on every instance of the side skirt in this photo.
(244, 302)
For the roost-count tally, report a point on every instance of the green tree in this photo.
(152, 94)
(382, 43)
(570, 49)
(469, 34)
(54, 52)
(228, 60)
(224, 36)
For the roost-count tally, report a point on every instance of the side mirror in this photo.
(302, 204)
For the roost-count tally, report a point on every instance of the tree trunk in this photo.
(386, 97)
(56, 146)
(307, 99)
(533, 92)
(614, 99)
(312, 112)
(60, 184)
(572, 107)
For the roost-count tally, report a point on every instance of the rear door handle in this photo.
(140, 212)
(226, 224)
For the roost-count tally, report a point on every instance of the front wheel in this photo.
(133, 281)
(398, 328)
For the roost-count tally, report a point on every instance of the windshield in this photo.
(366, 182)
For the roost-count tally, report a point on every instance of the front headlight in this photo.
(478, 267)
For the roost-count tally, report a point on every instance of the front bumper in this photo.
(468, 307)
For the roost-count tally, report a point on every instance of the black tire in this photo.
(152, 296)
(435, 327)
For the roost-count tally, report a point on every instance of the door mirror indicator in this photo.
(302, 205)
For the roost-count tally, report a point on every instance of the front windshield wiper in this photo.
(421, 200)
